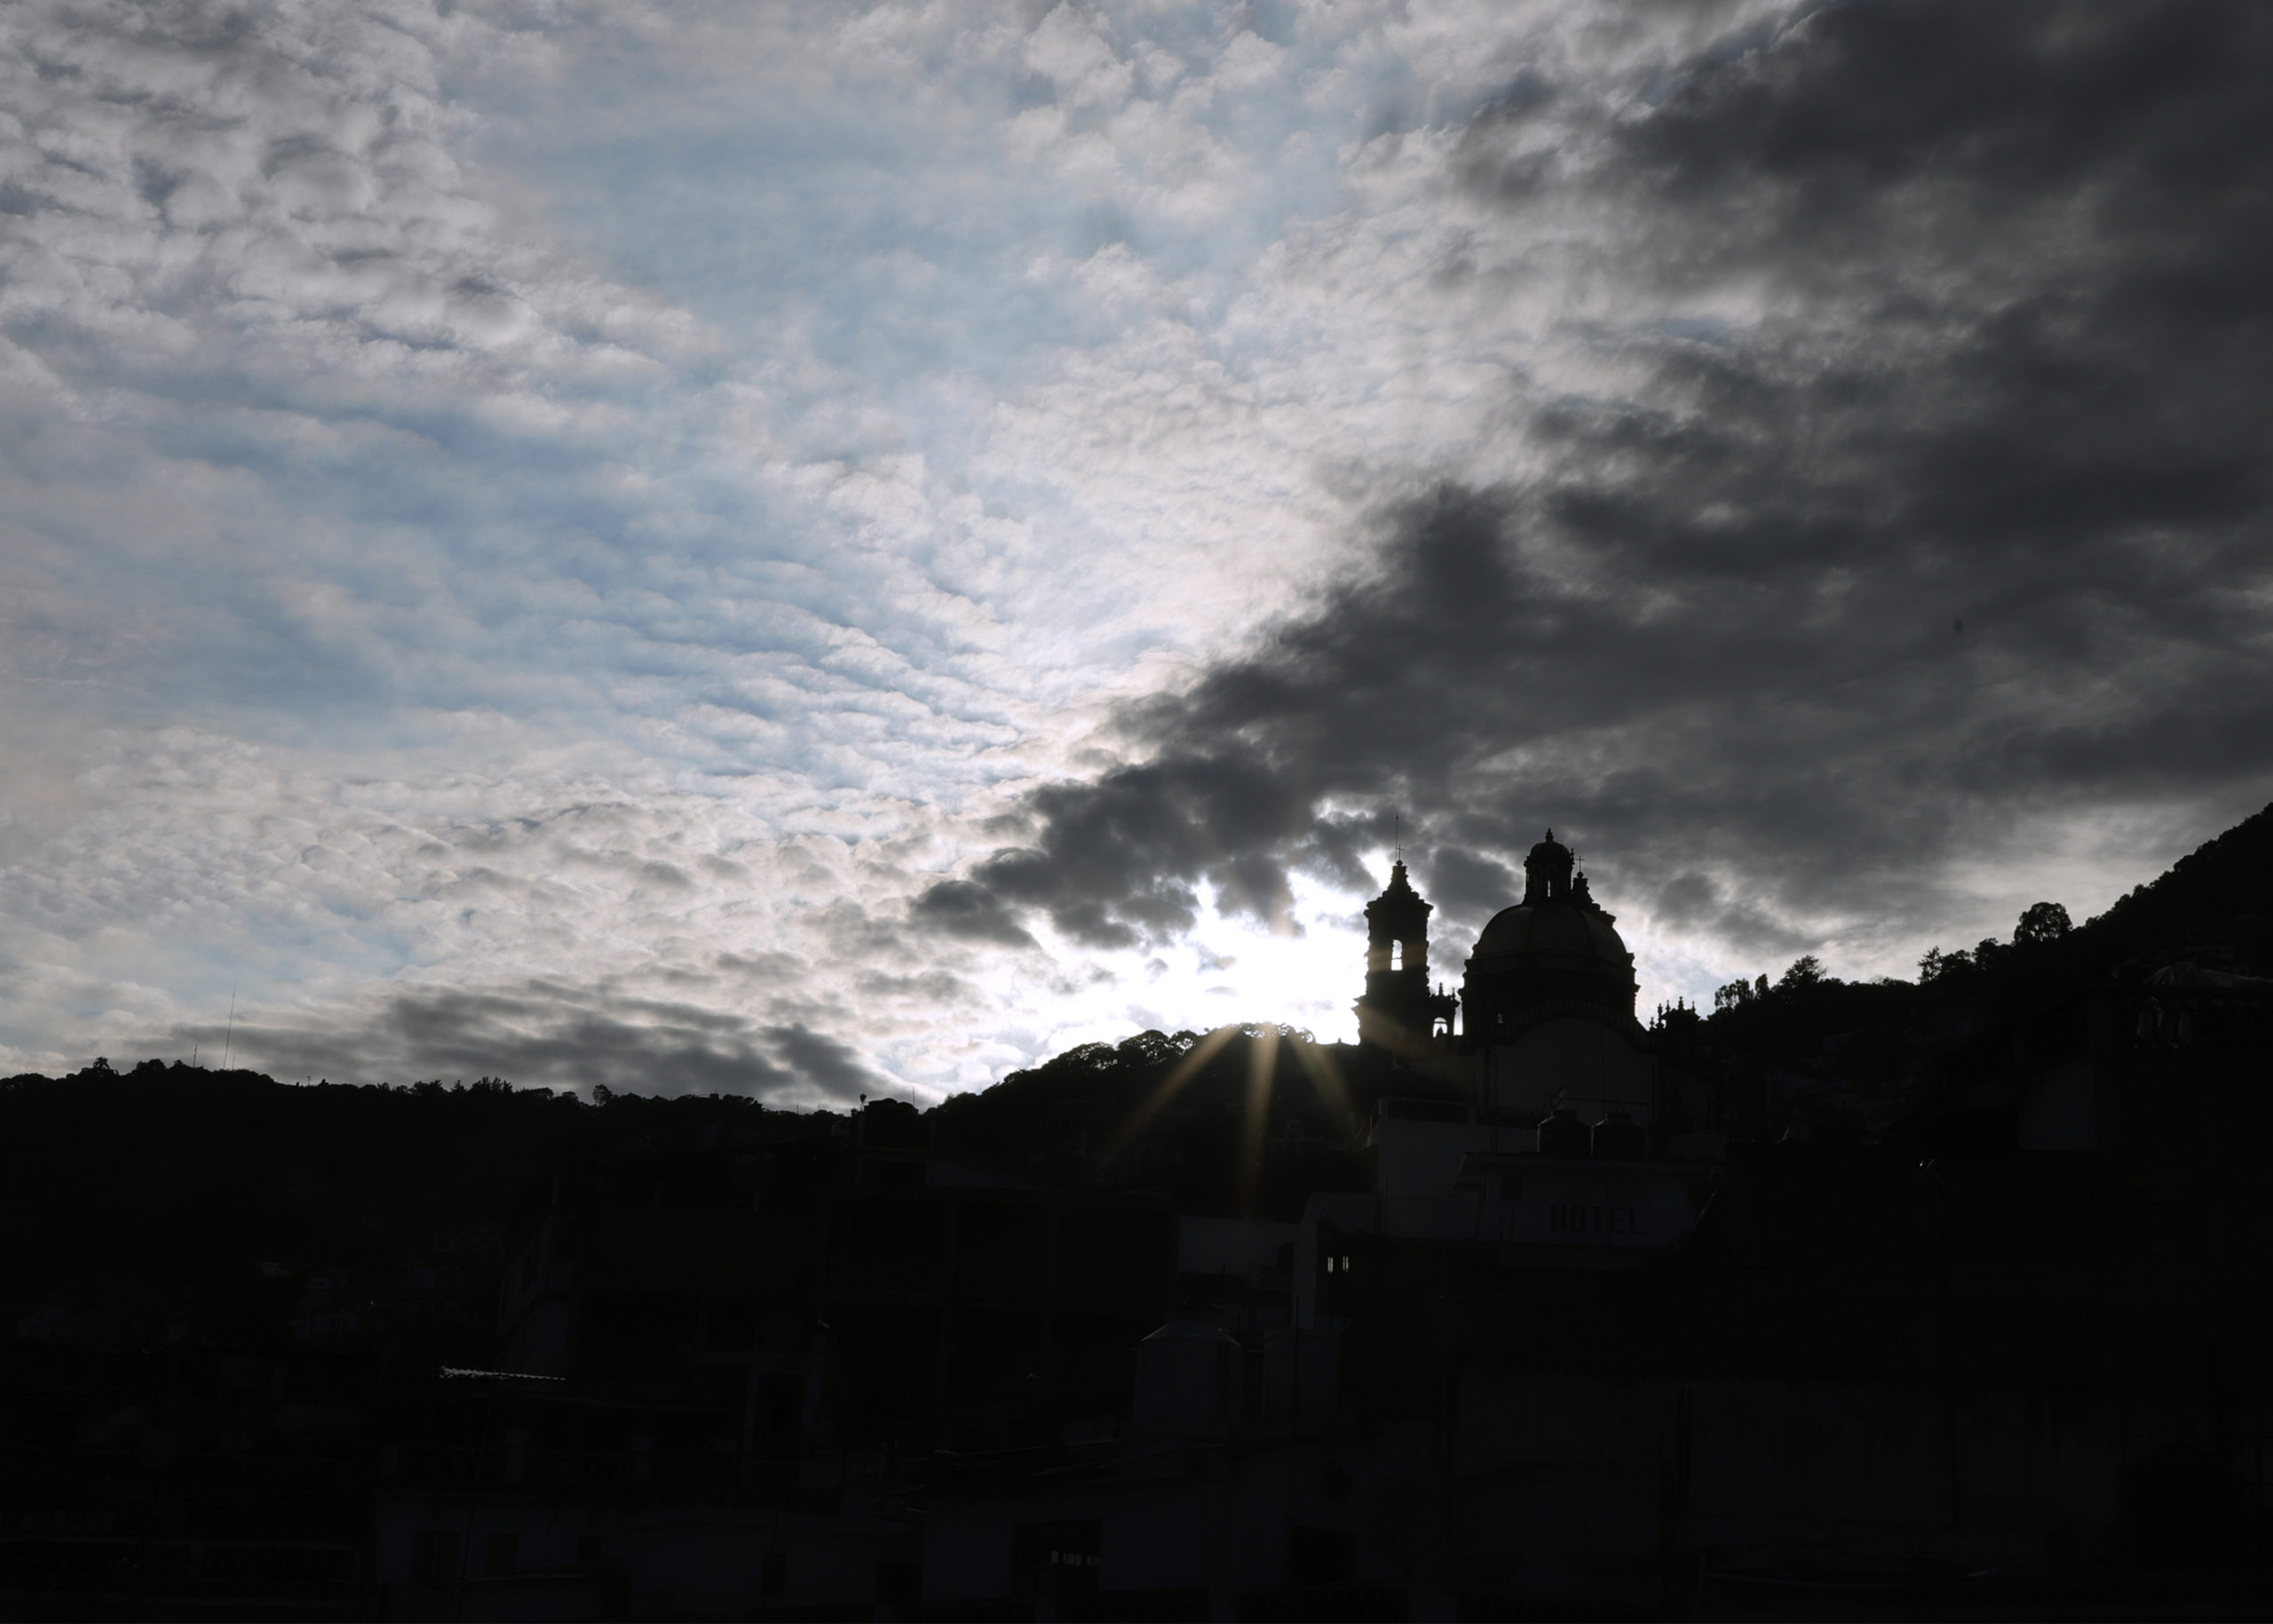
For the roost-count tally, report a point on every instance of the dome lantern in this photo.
(1547, 872)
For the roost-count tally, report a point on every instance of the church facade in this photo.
(1543, 1023)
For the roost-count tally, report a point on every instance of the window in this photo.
(434, 1559)
(774, 1577)
(1396, 956)
(504, 1553)
(1055, 1558)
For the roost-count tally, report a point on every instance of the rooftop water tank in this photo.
(1619, 1138)
(1563, 1134)
(1188, 1378)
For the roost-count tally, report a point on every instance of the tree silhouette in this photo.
(2041, 923)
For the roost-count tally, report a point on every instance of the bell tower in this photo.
(1397, 1010)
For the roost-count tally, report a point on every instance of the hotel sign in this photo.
(1632, 1205)
(1592, 1219)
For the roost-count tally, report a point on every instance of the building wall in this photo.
(711, 1561)
(1574, 1483)
(1582, 1063)
(568, 1559)
(1191, 1515)
(1418, 1167)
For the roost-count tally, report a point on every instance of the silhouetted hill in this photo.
(1243, 1119)
(2213, 906)
(1845, 1060)
(171, 1203)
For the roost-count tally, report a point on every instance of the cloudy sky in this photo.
(811, 550)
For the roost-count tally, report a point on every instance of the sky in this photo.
(813, 551)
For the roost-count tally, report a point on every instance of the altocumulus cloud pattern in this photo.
(815, 551)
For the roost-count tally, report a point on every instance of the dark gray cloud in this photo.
(828, 1063)
(1116, 860)
(545, 1033)
(2012, 276)
(973, 912)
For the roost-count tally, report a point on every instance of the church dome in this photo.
(1549, 933)
(1556, 951)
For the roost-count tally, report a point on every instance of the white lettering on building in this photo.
(1575, 1218)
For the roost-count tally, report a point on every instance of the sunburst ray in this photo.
(1324, 1076)
(1261, 1064)
(1194, 1060)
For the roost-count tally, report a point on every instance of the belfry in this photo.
(1398, 1012)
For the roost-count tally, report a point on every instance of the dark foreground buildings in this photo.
(1580, 1341)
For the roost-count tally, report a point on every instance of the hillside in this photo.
(1849, 1060)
